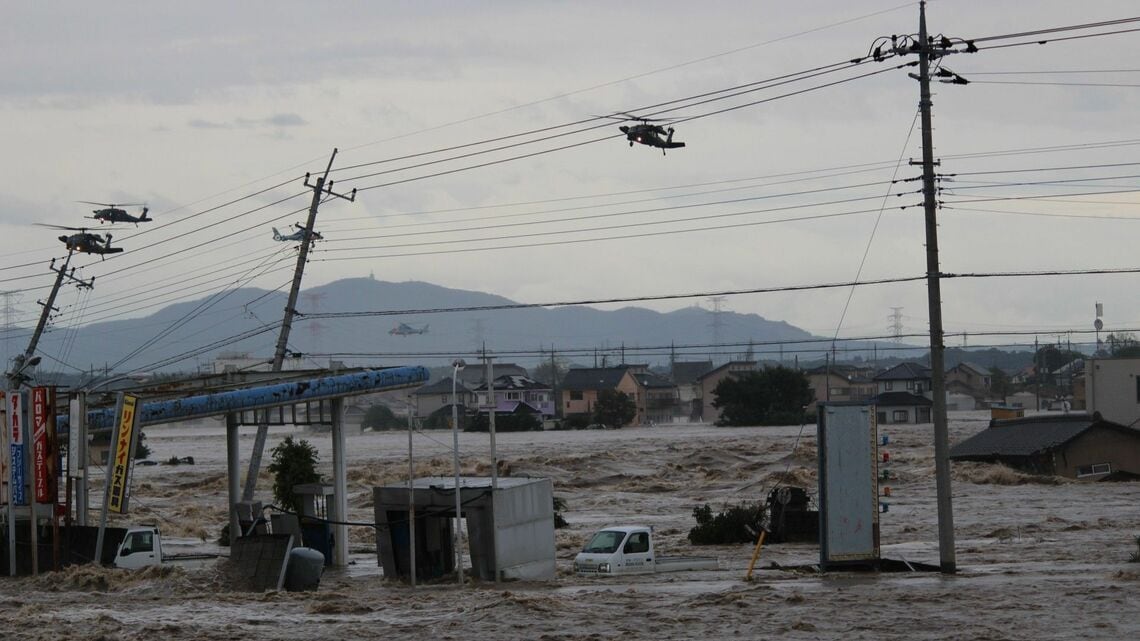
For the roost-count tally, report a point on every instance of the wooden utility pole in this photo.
(320, 189)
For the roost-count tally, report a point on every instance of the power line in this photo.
(730, 292)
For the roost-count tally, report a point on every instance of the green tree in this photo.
(381, 417)
(1000, 383)
(771, 396)
(614, 408)
(294, 463)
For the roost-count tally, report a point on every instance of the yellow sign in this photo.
(121, 459)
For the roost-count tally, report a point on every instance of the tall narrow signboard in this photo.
(16, 464)
(119, 493)
(43, 459)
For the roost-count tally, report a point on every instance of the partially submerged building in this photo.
(510, 528)
(1083, 446)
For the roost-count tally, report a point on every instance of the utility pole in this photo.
(320, 189)
(16, 377)
(928, 49)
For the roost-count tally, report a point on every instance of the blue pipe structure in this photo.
(255, 398)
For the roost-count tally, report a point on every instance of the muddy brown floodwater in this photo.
(1038, 558)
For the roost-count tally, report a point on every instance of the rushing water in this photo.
(1038, 558)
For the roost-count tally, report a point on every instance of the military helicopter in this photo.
(297, 235)
(403, 329)
(116, 214)
(646, 133)
(86, 242)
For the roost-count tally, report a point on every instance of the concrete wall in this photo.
(1112, 387)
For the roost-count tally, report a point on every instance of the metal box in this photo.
(848, 485)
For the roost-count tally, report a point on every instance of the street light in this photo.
(457, 365)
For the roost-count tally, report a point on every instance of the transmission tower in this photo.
(313, 302)
(717, 326)
(896, 326)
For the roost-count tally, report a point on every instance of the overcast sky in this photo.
(189, 106)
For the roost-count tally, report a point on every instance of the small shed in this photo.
(1081, 446)
(510, 528)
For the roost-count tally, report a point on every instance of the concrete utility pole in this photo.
(320, 189)
(933, 49)
(22, 361)
(927, 50)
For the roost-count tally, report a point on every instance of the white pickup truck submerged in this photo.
(142, 547)
(629, 549)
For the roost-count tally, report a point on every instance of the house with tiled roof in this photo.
(904, 394)
(578, 392)
(518, 394)
(655, 397)
(475, 374)
(1083, 446)
(429, 398)
(839, 383)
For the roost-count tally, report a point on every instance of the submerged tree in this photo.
(294, 463)
(614, 408)
(771, 396)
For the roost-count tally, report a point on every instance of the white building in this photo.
(1112, 387)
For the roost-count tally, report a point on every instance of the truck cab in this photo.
(617, 550)
(629, 549)
(141, 547)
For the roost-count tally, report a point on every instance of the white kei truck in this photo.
(628, 549)
(142, 547)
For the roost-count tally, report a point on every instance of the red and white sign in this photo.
(41, 467)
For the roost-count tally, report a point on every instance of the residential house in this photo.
(1112, 388)
(686, 375)
(656, 398)
(968, 379)
(904, 394)
(709, 380)
(839, 383)
(579, 390)
(475, 374)
(1082, 446)
(431, 397)
(515, 393)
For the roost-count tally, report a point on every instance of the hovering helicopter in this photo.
(646, 133)
(297, 235)
(403, 329)
(86, 242)
(116, 214)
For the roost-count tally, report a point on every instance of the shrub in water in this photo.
(736, 524)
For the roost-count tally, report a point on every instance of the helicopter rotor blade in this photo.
(112, 205)
(61, 227)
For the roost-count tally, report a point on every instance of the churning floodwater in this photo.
(1038, 558)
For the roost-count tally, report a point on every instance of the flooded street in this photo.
(1038, 558)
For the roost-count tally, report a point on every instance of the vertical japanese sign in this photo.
(121, 456)
(43, 445)
(16, 449)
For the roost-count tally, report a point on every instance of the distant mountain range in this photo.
(181, 336)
